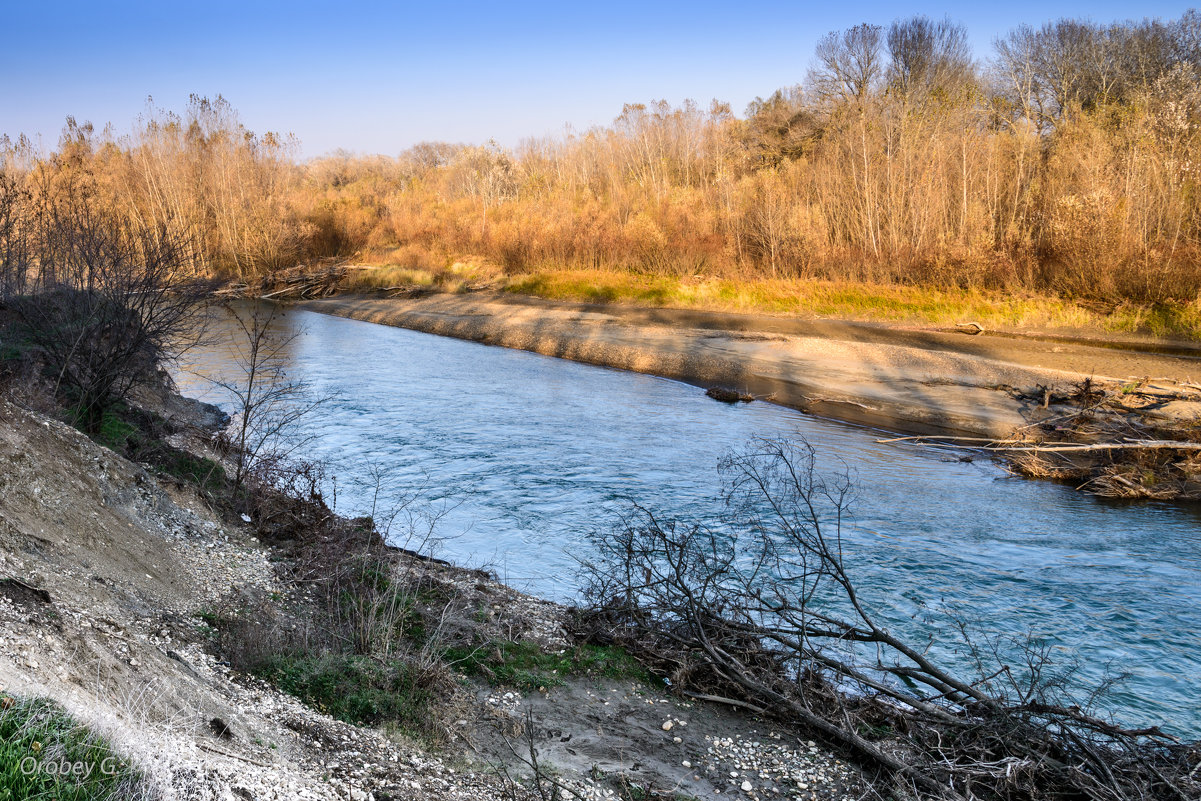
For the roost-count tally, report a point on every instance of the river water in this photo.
(520, 455)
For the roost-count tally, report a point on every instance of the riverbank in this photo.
(901, 378)
(128, 598)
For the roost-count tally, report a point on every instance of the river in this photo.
(520, 455)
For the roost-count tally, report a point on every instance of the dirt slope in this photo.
(102, 574)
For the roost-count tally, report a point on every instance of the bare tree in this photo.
(100, 299)
(423, 157)
(1073, 64)
(1186, 38)
(766, 220)
(927, 57)
(15, 224)
(1015, 72)
(486, 173)
(850, 63)
(269, 405)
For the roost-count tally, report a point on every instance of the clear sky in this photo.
(378, 77)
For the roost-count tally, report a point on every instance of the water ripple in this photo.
(529, 453)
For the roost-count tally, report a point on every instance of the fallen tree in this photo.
(763, 612)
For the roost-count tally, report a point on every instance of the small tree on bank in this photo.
(268, 403)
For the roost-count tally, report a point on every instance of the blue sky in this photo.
(376, 78)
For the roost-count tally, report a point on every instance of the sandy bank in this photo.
(902, 379)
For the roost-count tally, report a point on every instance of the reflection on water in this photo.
(526, 454)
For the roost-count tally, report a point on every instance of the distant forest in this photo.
(1064, 162)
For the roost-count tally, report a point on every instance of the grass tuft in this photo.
(47, 754)
(355, 689)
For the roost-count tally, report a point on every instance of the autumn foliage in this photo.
(1064, 163)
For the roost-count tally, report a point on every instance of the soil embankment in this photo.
(903, 379)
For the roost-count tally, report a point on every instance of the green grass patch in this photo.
(115, 432)
(140, 435)
(10, 352)
(1159, 320)
(355, 689)
(47, 754)
(120, 427)
(526, 667)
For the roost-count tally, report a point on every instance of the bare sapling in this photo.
(269, 405)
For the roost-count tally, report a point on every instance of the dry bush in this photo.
(362, 630)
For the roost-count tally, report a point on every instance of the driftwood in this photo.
(1025, 446)
(927, 439)
(1155, 444)
(300, 283)
(1108, 440)
(719, 699)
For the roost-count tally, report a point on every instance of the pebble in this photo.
(774, 767)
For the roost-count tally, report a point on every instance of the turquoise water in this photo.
(521, 455)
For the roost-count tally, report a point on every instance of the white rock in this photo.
(667, 724)
(747, 787)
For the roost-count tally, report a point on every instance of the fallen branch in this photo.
(763, 612)
(933, 438)
(717, 699)
(214, 749)
(1150, 444)
(1024, 446)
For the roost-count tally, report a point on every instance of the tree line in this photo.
(1064, 162)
